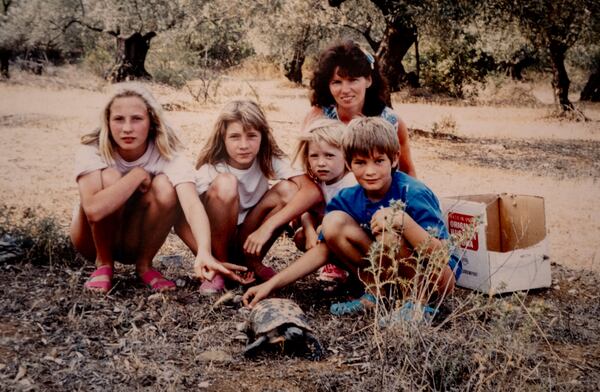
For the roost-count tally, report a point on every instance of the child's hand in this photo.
(205, 267)
(256, 293)
(380, 219)
(256, 240)
(146, 182)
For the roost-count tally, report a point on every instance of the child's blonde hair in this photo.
(163, 134)
(320, 130)
(366, 135)
(250, 116)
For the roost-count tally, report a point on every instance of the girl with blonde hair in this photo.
(132, 178)
(320, 151)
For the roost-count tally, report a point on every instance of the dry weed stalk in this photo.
(481, 342)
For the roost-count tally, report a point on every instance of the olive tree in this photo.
(553, 26)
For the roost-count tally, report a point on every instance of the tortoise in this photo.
(281, 321)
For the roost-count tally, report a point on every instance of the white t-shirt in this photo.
(252, 182)
(178, 170)
(329, 191)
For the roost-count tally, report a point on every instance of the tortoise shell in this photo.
(272, 313)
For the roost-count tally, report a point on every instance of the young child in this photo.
(320, 151)
(131, 178)
(356, 217)
(234, 170)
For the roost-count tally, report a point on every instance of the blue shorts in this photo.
(455, 265)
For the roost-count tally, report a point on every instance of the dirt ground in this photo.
(55, 337)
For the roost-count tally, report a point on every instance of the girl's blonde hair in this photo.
(320, 130)
(163, 134)
(250, 116)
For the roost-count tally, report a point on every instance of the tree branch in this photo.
(88, 26)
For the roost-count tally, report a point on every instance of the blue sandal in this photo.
(355, 306)
(409, 312)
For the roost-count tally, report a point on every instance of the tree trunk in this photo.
(560, 79)
(397, 40)
(130, 59)
(591, 91)
(4, 58)
(293, 67)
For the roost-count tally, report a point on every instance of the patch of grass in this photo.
(447, 125)
(38, 235)
(475, 342)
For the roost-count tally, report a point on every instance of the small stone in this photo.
(572, 291)
(203, 384)
(155, 297)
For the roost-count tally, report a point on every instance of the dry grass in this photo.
(54, 336)
(57, 337)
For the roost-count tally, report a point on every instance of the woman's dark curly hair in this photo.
(352, 62)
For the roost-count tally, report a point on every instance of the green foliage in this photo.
(449, 67)
(39, 235)
(98, 56)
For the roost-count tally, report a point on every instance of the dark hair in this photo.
(352, 62)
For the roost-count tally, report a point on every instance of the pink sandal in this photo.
(156, 281)
(101, 286)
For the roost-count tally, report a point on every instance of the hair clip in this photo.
(369, 57)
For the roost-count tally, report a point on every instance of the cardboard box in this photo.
(508, 250)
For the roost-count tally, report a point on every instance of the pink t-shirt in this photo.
(178, 170)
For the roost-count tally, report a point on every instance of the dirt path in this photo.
(515, 150)
(55, 336)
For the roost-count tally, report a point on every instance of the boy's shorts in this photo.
(455, 265)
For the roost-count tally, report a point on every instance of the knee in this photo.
(110, 176)
(333, 225)
(286, 190)
(162, 193)
(223, 188)
(446, 282)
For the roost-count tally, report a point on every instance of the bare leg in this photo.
(347, 240)
(351, 244)
(273, 201)
(149, 224)
(96, 241)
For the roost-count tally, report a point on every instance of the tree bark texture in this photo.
(4, 59)
(293, 67)
(560, 78)
(591, 90)
(396, 42)
(131, 57)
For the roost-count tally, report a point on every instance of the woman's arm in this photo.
(205, 265)
(307, 263)
(405, 160)
(98, 202)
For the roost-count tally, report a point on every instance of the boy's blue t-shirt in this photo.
(421, 205)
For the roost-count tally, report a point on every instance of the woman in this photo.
(347, 84)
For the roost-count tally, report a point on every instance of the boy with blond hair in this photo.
(357, 216)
